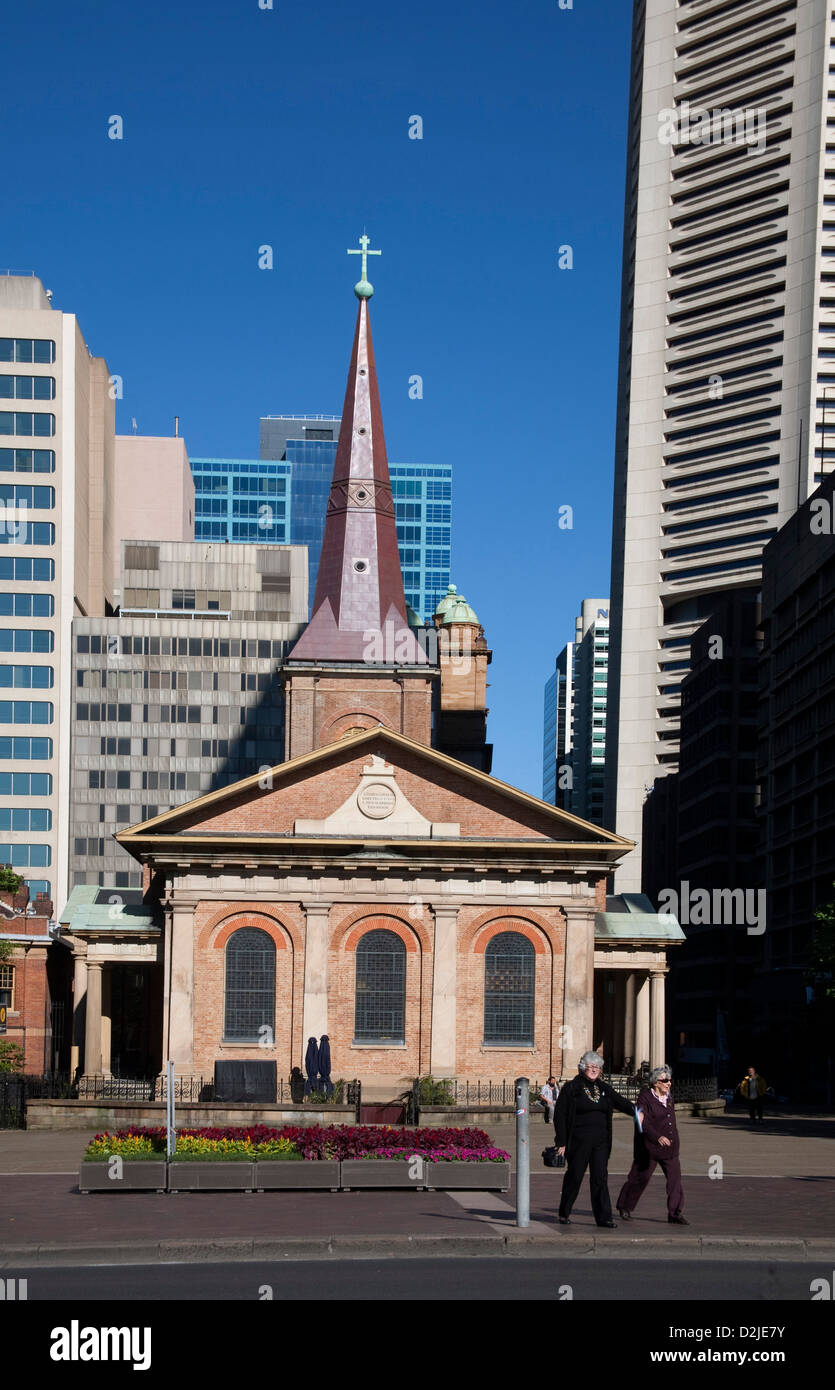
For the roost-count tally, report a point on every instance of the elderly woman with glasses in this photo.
(583, 1126)
(655, 1142)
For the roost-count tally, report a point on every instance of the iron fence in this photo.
(465, 1094)
(16, 1089)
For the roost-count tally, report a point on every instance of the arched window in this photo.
(380, 1010)
(509, 970)
(250, 985)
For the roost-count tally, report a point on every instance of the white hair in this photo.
(658, 1072)
(591, 1059)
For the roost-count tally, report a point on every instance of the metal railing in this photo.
(192, 1090)
(17, 1088)
(465, 1094)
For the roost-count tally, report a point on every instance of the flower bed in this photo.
(319, 1156)
(298, 1141)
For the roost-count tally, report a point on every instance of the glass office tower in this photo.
(282, 497)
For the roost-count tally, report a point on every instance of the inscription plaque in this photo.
(376, 800)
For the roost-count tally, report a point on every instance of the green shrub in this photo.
(432, 1092)
(11, 1056)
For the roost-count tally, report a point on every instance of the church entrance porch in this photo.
(629, 1016)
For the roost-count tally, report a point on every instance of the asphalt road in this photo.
(509, 1279)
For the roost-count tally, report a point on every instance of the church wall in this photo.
(326, 707)
(348, 924)
(213, 924)
(545, 928)
(443, 1014)
(312, 796)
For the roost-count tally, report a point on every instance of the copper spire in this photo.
(359, 609)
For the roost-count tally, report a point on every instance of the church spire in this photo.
(359, 609)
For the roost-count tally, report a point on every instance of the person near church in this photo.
(656, 1142)
(752, 1088)
(583, 1126)
(548, 1095)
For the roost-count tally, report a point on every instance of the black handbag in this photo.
(551, 1158)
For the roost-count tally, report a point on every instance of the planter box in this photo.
(276, 1175)
(448, 1174)
(381, 1172)
(138, 1175)
(189, 1175)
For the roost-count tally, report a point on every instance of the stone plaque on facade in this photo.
(376, 800)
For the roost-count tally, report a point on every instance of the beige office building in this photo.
(56, 562)
(727, 370)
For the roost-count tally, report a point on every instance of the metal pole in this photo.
(523, 1153)
(171, 1134)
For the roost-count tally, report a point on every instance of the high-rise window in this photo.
(27, 350)
(24, 749)
(26, 388)
(24, 639)
(27, 461)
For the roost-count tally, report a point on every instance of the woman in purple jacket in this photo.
(655, 1142)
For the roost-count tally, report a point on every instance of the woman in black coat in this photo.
(583, 1127)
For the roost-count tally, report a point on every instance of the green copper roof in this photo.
(450, 597)
(411, 617)
(460, 611)
(109, 909)
(630, 917)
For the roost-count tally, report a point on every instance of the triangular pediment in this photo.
(375, 785)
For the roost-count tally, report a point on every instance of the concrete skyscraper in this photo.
(727, 376)
(56, 563)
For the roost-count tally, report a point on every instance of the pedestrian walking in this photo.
(752, 1087)
(583, 1125)
(548, 1095)
(656, 1141)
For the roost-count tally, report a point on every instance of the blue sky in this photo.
(290, 127)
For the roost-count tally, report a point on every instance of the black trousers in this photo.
(755, 1108)
(590, 1152)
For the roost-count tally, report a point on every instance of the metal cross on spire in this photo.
(363, 289)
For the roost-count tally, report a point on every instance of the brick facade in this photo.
(283, 922)
(232, 861)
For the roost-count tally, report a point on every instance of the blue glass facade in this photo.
(241, 500)
(284, 501)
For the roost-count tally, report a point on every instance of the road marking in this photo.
(496, 1205)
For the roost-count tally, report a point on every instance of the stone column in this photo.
(578, 1000)
(106, 1019)
(79, 996)
(657, 1045)
(92, 1031)
(642, 1052)
(444, 985)
(315, 1007)
(629, 1018)
(181, 987)
(618, 1053)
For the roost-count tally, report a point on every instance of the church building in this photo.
(378, 885)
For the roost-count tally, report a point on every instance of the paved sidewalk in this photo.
(775, 1199)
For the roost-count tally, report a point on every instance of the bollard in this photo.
(523, 1152)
